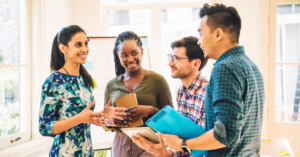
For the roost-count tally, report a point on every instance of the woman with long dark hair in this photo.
(67, 103)
(151, 89)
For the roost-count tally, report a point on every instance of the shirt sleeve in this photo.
(106, 96)
(49, 107)
(227, 105)
(164, 96)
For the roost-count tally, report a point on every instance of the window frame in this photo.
(275, 128)
(24, 41)
(155, 8)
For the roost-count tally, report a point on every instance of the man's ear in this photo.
(219, 34)
(62, 48)
(197, 63)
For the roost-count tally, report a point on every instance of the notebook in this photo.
(129, 101)
(169, 121)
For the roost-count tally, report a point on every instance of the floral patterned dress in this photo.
(64, 96)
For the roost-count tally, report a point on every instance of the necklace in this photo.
(66, 70)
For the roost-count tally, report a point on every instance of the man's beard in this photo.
(180, 75)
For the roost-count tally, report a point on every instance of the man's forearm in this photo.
(207, 141)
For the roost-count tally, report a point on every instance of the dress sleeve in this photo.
(227, 105)
(164, 95)
(50, 105)
(106, 96)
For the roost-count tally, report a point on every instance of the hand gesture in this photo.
(159, 149)
(123, 123)
(110, 112)
(140, 111)
(88, 116)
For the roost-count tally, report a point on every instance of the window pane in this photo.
(288, 33)
(287, 94)
(176, 24)
(10, 31)
(137, 21)
(12, 100)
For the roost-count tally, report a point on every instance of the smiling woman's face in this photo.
(130, 55)
(77, 49)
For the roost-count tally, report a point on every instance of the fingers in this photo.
(161, 140)
(120, 113)
(112, 122)
(97, 114)
(90, 105)
(127, 118)
(141, 138)
(121, 109)
(135, 119)
(140, 143)
(99, 121)
(109, 102)
(130, 108)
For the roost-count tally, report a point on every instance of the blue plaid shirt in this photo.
(234, 105)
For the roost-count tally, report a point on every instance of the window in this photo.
(287, 78)
(14, 78)
(162, 21)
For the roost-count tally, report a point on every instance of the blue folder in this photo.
(169, 121)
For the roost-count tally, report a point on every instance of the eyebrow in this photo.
(134, 50)
(80, 42)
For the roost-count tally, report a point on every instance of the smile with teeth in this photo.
(132, 65)
(82, 56)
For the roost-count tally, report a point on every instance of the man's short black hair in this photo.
(193, 50)
(226, 18)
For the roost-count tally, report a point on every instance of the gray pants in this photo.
(123, 146)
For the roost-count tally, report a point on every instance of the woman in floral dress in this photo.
(67, 103)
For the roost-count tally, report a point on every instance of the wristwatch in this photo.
(184, 146)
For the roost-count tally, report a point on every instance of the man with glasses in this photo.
(186, 61)
(235, 93)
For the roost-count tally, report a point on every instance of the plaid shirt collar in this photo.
(230, 52)
(193, 88)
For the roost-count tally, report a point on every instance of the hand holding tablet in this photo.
(146, 132)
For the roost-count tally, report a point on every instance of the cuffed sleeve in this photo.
(49, 107)
(227, 106)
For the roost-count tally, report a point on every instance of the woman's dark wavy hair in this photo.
(128, 35)
(58, 58)
(193, 50)
(221, 16)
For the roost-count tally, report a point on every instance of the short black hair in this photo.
(193, 50)
(226, 18)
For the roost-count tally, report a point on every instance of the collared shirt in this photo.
(234, 105)
(191, 104)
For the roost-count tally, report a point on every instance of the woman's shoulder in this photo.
(56, 79)
(114, 81)
(53, 83)
(154, 75)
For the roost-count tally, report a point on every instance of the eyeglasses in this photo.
(174, 58)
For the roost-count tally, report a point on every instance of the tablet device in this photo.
(146, 132)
